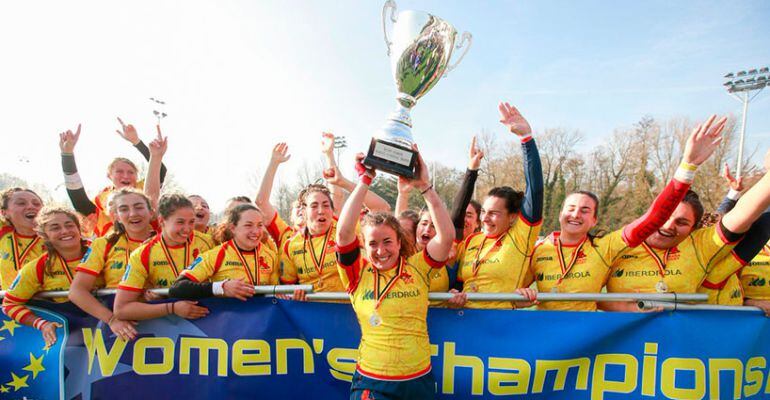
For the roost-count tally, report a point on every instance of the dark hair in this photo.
(5, 198)
(233, 215)
(43, 218)
(169, 203)
(413, 216)
(513, 198)
(383, 218)
(117, 227)
(693, 200)
(476, 206)
(315, 188)
(244, 199)
(593, 197)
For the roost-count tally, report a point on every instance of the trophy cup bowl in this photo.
(419, 53)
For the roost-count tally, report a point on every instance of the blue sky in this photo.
(239, 76)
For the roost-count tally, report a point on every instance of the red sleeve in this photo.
(659, 212)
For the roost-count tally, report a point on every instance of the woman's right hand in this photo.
(123, 329)
(238, 289)
(68, 140)
(458, 299)
(279, 154)
(474, 156)
(49, 332)
(189, 310)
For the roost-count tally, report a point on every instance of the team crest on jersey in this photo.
(406, 277)
(674, 254)
(195, 262)
(263, 266)
(85, 256)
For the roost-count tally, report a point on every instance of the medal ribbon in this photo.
(318, 262)
(65, 267)
(20, 256)
(477, 261)
(171, 262)
(246, 266)
(766, 249)
(560, 252)
(391, 283)
(660, 263)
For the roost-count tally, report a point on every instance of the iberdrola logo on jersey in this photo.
(368, 295)
(619, 273)
(31, 370)
(540, 276)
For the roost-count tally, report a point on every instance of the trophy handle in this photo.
(467, 37)
(389, 5)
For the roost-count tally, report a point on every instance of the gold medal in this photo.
(473, 287)
(375, 320)
(661, 287)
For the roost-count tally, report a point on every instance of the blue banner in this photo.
(282, 349)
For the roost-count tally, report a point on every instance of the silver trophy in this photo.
(419, 51)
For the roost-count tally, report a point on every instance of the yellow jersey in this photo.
(257, 267)
(106, 261)
(279, 231)
(681, 269)
(157, 265)
(15, 251)
(755, 277)
(103, 220)
(391, 308)
(309, 259)
(36, 276)
(497, 264)
(580, 268)
(727, 293)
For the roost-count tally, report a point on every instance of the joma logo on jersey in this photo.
(159, 263)
(570, 275)
(545, 258)
(298, 252)
(757, 282)
(233, 263)
(759, 263)
(627, 256)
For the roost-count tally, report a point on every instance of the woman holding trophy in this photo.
(394, 354)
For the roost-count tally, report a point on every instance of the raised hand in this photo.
(474, 156)
(333, 176)
(735, 184)
(68, 140)
(703, 140)
(280, 154)
(327, 143)
(238, 289)
(512, 118)
(365, 174)
(128, 132)
(159, 145)
(421, 180)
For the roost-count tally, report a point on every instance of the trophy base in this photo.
(391, 158)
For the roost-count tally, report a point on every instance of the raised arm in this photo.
(701, 143)
(75, 190)
(751, 205)
(128, 133)
(152, 181)
(402, 200)
(351, 211)
(327, 149)
(439, 247)
(532, 205)
(278, 156)
(372, 201)
(465, 194)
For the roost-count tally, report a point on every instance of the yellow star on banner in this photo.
(4, 389)
(35, 365)
(2, 338)
(17, 382)
(46, 349)
(9, 326)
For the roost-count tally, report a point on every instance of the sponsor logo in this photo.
(369, 294)
(757, 282)
(116, 265)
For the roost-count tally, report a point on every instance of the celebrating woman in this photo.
(233, 268)
(122, 172)
(158, 262)
(53, 270)
(388, 289)
(19, 242)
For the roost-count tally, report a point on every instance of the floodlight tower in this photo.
(745, 86)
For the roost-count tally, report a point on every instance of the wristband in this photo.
(218, 288)
(39, 323)
(426, 190)
(686, 172)
(526, 138)
(733, 194)
(363, 175)
(72, 181)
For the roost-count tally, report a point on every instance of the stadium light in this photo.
(745, 90)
